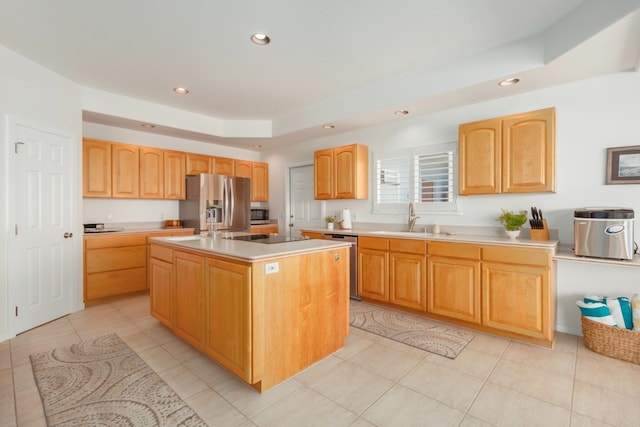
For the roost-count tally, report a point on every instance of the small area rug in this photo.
(103, 382)
(409, 329)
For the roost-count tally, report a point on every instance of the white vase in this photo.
(330, 226)
(512, 233)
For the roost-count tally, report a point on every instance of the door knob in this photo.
(68, 235)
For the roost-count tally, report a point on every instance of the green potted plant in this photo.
(330, 220)
(513, 221)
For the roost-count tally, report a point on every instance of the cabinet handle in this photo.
(336, 257)
(68, 235)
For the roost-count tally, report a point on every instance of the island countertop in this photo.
(247, 251)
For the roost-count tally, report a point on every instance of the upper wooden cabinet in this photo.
(341, 173)
(259, 174)
(151, 173)
(198, 163)
(125, 171)
(174, 175)
(222, 166)
(96, 168)
(511, 154)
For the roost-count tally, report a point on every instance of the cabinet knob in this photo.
(336, 257)
(68, 235)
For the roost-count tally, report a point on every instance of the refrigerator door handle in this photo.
(232, 203)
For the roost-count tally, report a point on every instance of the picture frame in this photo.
(623, 165)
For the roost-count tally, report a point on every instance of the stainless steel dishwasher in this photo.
(353, 261)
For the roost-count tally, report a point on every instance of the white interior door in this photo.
(40, 215)
(304, 210)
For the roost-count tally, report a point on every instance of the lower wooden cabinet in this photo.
(162, 295)
(454, 281)
(189, 297)
(408, 273)
(312, 235)
(264, 228)
(373, 268)
(228, 318)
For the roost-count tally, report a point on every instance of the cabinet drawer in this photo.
(408, 246)
(110, 283)
(110, 259)
(96, 242)
(162, 253)
(513, 255)
(454, 250)
(374, 243)
(266, 228)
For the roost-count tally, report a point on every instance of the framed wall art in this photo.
(623, 165)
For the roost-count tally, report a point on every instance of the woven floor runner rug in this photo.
(103, 382)
(410, 329)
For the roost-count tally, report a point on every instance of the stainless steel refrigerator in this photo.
(216, 202)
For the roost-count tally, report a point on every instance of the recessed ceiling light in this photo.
(328, 126)
(148, 125)
(261, 39)
(401, 112)
(509, 82)
(181, 90)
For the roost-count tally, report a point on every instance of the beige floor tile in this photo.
(606, 405)
(214, 410)
(552, 388)
(566, 343)
(502, 406)
(160, 334)
(23, 378)
(210, 372)
(489, 344)
(472, 362)
(376, 357)
(402, 406)
(617, 375)
(470, 421)
(449, 386)
(139, 341)
(579, 420)
(355, 341)
(5, 355)
(7, 399)
(249, 401)
(361, 422)
(184, 382)
(562, 363)
(28, 406)
(318, 369)
(158, 358)
(351, 386)
(304, 408)
(181, 350)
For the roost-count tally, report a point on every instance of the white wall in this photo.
(135, 211)
(33, 93)
(591, 115)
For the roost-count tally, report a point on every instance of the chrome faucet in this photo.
(412, 217)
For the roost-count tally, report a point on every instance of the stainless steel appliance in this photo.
(264, 238)
(604, 232)
(353, 261)
(100, 228)
(216, 202)
(259, 216)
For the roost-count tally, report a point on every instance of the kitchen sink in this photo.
(402, 233)
(183, 238)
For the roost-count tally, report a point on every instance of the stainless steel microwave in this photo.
(259, 215)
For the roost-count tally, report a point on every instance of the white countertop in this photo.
(566, 253)
(249, 251)
(447, 237)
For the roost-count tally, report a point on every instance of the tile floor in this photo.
(372, 381)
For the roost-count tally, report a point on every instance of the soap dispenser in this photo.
(436, 228)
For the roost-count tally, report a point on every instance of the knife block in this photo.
(541, 233)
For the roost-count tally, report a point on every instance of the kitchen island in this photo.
(263, 311)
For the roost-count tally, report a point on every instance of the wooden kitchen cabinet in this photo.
(228, 319)
(242, 168)
(174, 175)
(162, 291)
(114, 265)
(264, 228)
(517, 294)
(222, 166)
(125, 171)
(373, 268)
(312, 235)
(259, 182)
(96, 168)
(510, 154)
(454, 282)
(341, 173)
(151, 173)
(408, 273)
(189, 297)
(197, 164)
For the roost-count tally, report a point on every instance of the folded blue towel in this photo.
(596, 311)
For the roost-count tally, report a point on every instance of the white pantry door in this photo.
(40, 215)
(304, 210)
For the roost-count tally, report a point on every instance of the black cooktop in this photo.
(264, 238)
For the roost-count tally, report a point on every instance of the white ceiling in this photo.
(351, 63)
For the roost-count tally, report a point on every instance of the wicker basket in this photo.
(619, 343)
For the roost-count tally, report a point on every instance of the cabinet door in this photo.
(516, 299)
(174, 175)
(228, 320)
(323, 175)
(408, 280)
(373, 274)
(96, 168)
(189, 298)
(528, 152)
(242, 168)
(223, 166)
(479, 157)
(344, 172)
(197, 164)
(125, 171)
(162, 291)
(151, 173)
(259, 182)
(454, 288)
